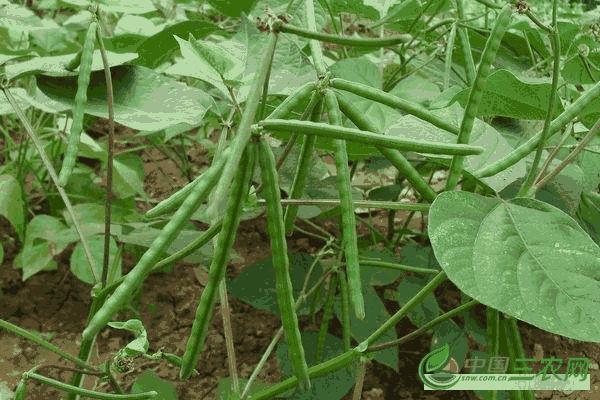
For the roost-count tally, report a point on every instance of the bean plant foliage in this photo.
(373, 84)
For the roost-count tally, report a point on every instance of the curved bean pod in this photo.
(390, 100)
(208, 178)
(373, 139)
(85, 69)
(239, 191)
(146, 264)
(349, 236)
(281, 263)
(487, 58)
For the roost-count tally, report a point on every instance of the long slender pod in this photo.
(85, 69)
(244, 131)
(557, 124)
(290, 102)
(144, 267)
(281, 263)
(368, 138)
(345, 300)
(326, 315)
(390, 100)
(341, 40)
(302, 171)
(203, 239)
(211, 177)
(299, 183)
(405, 168)
(239, 191)
(487, 58)
(349, 235)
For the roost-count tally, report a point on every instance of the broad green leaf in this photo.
(43, 240)
(144, 236)
(376, 313)
(144, 100)
(513, 96)
(331, 386)
(589, 214)
(158, 48)
(80, 265)
(11, 203)
(483, 135)
(257, 284)
(33, 259)
(563, 192)
(20, 96)
(150, 381)
(55, 66)
(525, 258)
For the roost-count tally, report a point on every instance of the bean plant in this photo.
(515, 236)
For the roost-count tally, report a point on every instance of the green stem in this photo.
(46, 345)
(90, 393)
(399, 267)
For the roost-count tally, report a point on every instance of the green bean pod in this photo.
(134, 279)
(326, 315)
(290, 102)
(557, 124)
(344, 41)
(404, 167)
(349, 235)
(281, 263)
(345, 300)
(313, 303)
(299, 183)
(21, 390)
(390, 100)
(239, 191)
(487, 59)
(209, 178)
(83, 81)
(373, 139)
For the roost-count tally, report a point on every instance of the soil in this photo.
(57, 302)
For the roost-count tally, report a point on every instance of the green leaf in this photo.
(511, 96)
(257, 284)
(149, 381)
(80, 265)
(144, 99)
(140, 344)
(158, 48)
(483, 135)
(55, 66)
(224, 391)
(331, 386)
(589, 214)
(11, 203)
(525, 258)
